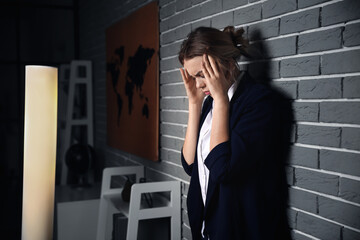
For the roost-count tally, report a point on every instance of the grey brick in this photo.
(350, 189)
(167, 37)
(287, 88)
(163, 2)
(172, 130)
(301, 21)
(185, 218)
(291, 214)
(305, 111)
(351, 87)
(339, 212)
(171, 143)
(155, 176)
(202, 23)
(289, 175)
(174, 103)
(172, 90)
(170, 77)
(342, 162)
(302, 200)
(248, 14)
(164, 25)
(320, 88)
(185, 189)
(293, 133)
(317, 227)
(307, 157)
(340, 12)
(171, 22)
(190, 14)
(229, 4)
(170, 50)
(350, 234)
(264, 69)
(174, 117)
(317, 181)
(211, 7)
(170, 169)
(183, 202)
(275, 7)
(280, 47)
(299, 236)
(307, 3)
(340, 112)
(197, 1)
(170, 156)
(182, 32)
(318, 135)
(223, 20)
(320, 41)
(302, 66)
(169, 64)
(351, 35)
(186, 232)
(183, 4)
(350, 138)
(264, 30)
(167, 10)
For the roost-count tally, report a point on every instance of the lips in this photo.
(207, 93)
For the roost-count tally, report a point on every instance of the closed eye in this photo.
(200, 74)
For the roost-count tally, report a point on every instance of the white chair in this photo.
(111, 202)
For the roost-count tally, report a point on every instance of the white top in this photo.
(203, 148)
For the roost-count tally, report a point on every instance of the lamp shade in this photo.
(39, 152)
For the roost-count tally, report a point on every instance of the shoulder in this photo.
(254, 93)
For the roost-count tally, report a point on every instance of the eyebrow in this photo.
(198, 73)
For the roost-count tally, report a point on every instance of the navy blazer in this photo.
(246, 195)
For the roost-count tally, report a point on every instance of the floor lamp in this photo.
(39, 152)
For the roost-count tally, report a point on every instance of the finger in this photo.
(214, 66)
(207, 65)
(187, 74)
(182, 74)
(205, 71)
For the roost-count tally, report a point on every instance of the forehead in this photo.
(193, 65)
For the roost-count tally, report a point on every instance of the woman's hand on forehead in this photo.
(215, 78)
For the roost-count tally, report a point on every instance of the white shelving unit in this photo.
(75, 80)
(111, 202)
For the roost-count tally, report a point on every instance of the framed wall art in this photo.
(132, 83)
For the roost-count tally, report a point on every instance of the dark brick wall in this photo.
(313, 56)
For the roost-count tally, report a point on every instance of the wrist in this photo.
(195, 107)
(222, 101)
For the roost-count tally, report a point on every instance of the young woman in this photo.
(236, 189)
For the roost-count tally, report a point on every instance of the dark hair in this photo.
(226, 46)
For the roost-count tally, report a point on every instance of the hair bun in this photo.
(237, 37)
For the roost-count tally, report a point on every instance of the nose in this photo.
(200, 83)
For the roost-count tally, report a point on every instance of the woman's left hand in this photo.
(215, 79)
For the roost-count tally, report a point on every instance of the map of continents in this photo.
(136, 69)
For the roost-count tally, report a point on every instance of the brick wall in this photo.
(313, 57)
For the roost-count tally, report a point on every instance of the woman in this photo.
(236, 189)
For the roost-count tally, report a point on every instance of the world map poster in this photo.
(132, 83)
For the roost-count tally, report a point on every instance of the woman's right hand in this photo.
(195, 95)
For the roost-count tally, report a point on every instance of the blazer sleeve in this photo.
(250, 141)
(188, 168)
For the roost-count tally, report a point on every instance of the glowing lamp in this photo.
(41, 84)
